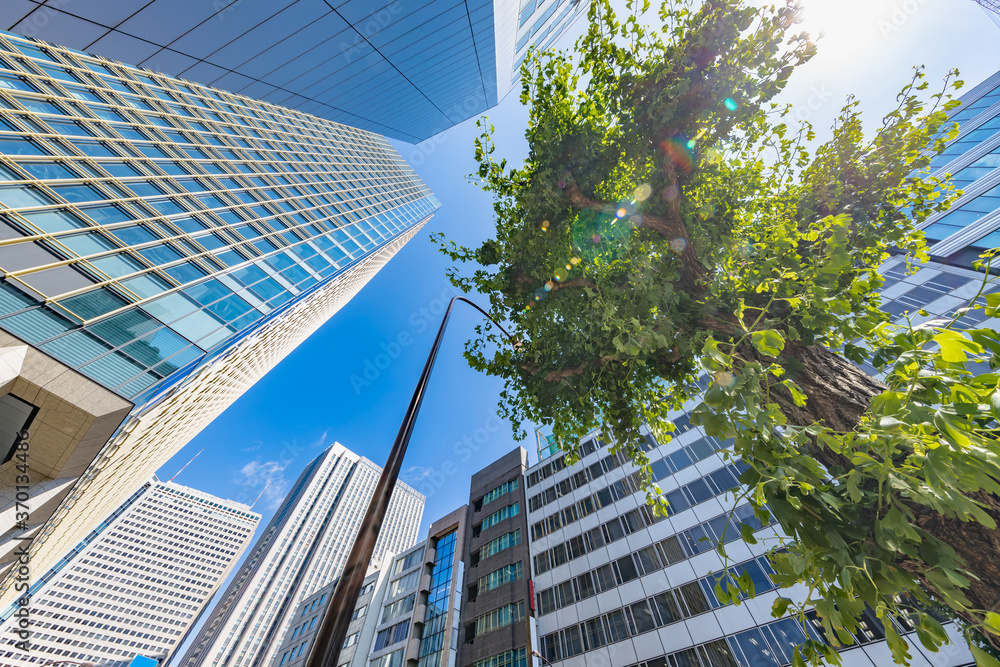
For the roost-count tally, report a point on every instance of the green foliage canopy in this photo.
(669, 224)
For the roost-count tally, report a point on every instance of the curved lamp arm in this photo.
(329, 639)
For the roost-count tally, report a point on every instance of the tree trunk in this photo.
(838, 395)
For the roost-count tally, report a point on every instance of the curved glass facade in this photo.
(146, 221)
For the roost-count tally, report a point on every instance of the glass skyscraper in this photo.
(303, 549)
(163, 245)
(408, 69)
(972, 225)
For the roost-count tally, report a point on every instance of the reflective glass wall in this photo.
(146, 222)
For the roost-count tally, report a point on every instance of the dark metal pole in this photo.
(329, 639)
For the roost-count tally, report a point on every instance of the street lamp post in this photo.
(332, 631)
(541, 657)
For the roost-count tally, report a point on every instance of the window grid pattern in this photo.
(515, 658)
(432, 646)
(498, 544)
(745, 649)
(501, 490)
(391, 635)
(687, 543)
(499, 618)
(500, 515)
(674, 549)
(716, 483)
(145, 220)
(497, 578)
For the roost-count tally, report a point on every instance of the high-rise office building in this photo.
(162, 246)
(616, 585)
(303, 549)
(498, 609)
(134, 586)
(972, 225)
(407, 69)
(407, 612)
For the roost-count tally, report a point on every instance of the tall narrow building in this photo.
(163, 245)
(408, 610)
(302, 550)
(136, 584)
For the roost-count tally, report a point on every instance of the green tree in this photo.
(669, 224)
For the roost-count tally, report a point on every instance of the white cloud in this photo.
(415, 474)
(266, 476)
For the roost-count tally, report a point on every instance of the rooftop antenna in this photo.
(261, 493)
(184, 466)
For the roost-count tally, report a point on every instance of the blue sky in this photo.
(320, 393)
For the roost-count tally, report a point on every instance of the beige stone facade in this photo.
(72, 420)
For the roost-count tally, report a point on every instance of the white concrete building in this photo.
(303, 549)
(136, 584)
(616, 586)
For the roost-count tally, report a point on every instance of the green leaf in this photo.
(954, 346)
(983, 659)
(780, 606)
(992, 622)
(992, 304)
(798, 396)
(768, 342)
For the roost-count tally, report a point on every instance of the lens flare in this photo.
(642, 192)
(545, 225)
(548, 286)
(539, 294)
(622, 212)
(731, 104)
(596, 238)
(725, 379)
(574, 261)
(677, 151)
(670, 193)
(559, 275)
(678, 245)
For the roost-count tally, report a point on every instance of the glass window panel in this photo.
(46, 171)
(678, 501)
(24, 196)
(787, 634)
(76, 348)
(78, 193)
(134, 235)
(615, 626)
(120, 169)
(107, 215)
(37, 325)
(170, 307)
(197, 326)
(698, 491)
(112, 370)
(146, 286)
(20, 147)
(54, 221)
(94, 304)
(117, 265)
(758, 653)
